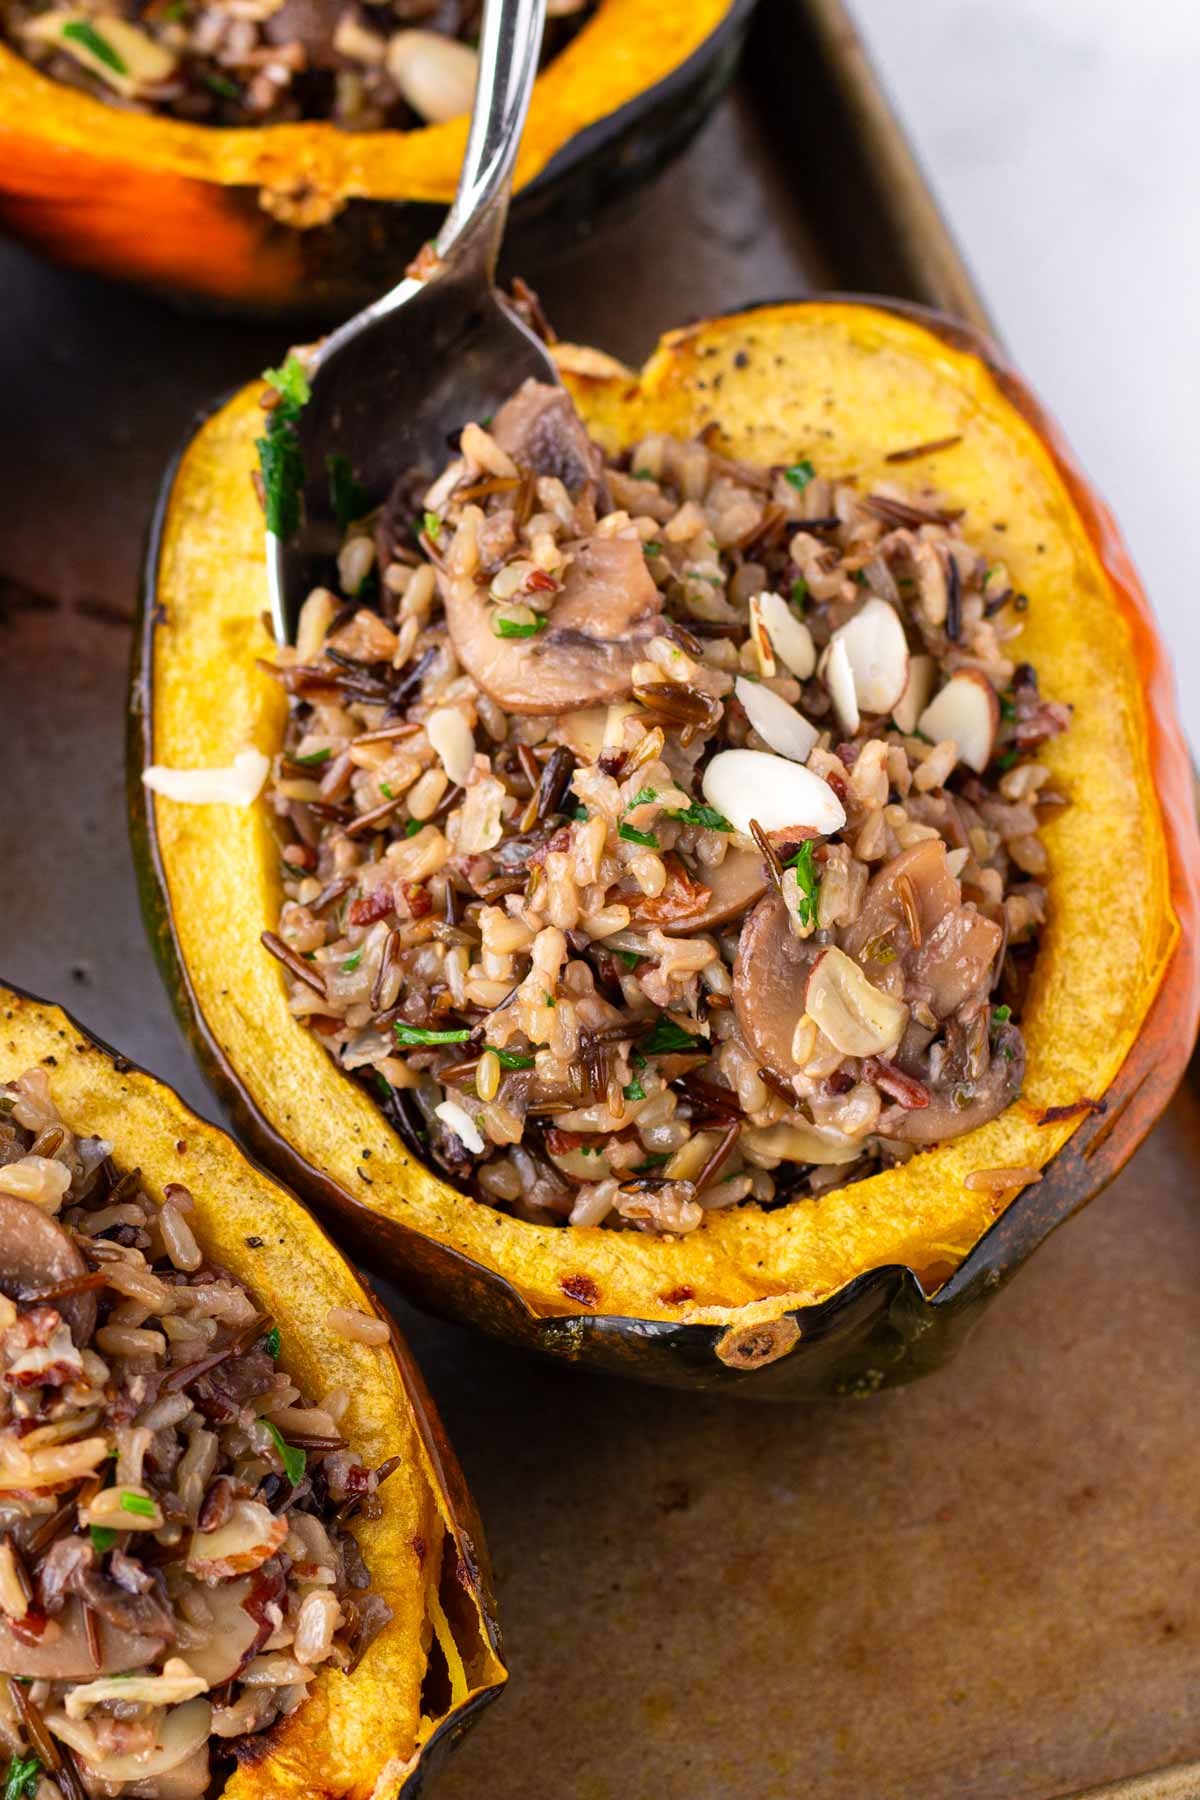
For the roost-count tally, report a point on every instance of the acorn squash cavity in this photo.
(370, 1735)
(309, 219)
(821, 1295)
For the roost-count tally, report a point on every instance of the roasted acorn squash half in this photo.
(872, 1283)
(372, 1734)
(313, 220)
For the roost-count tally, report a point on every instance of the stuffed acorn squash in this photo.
(844, 693)
(306, 217)
(277, 1586)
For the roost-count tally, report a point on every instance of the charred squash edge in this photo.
(450, 1592)
(889, 1323)
(211, 211)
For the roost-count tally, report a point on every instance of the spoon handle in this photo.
(509, 47)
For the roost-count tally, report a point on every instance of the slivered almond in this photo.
(967, 711)
(777, 723)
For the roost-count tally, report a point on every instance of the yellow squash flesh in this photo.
(843, 384)
(356, 1737)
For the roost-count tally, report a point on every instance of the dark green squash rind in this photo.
(879, 1331)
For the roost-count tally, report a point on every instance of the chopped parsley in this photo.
(351, 963)
(517, 628)
(81, 32)
(643, 475)
(708, 816)
(279, 456)
(1000, 1016)
(314, 758)
(509, 1059)
(800, 595)
(412, 827)
(654, 1161)
(431, 525)
(1006, 761)
(642, 798)
(138, 1504)
(653, 549)
(633, 836)
(415, 1034)
(273, 1340)
(386, 791)
(221, 85)
(347, 496)
(634, 1090)
(806, 881)
(21, 1782)
(103, 1538)
(580, 813)
(667, 1038)
(293, 1459)
(799, 475)
(1008, 711)
(630, 958)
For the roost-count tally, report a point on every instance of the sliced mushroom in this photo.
(65, 1655)
(732, 886)
(963, 1106)
(914, 931)
(599, 626)
(188, 1780)
(35, 1252)
(770, 978)
(540, 429)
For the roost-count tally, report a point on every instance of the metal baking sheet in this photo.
(979, 1588)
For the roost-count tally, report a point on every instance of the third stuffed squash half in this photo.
(238, 1555)
(844, 1285)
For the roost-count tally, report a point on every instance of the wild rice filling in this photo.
(175, 1563)
(364, 64)
(660, 833)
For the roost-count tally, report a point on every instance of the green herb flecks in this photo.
(653, 549)
(138, 1504)
(83, 33)
(351, 963)
(1000, 1016)
(221, 85)
(630, 958)
(279, 457)
(642, 798)
(518, 628)
(510, 1059)
(415, 1034)
(347, 496)
(293, 1459)
(431, 525)
(273, 1341)
(632, 836)
(800, 595)
(314, 758)
(667, 1039)
(103, 1538)
(806, 881)
(634, 1090)
(708, 816)
(799, 475)
(21, 1782)
(413, 826)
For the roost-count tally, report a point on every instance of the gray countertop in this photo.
(1063, 142)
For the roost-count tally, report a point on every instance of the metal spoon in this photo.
(392, 385)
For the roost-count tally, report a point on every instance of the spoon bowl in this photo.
(392, 387)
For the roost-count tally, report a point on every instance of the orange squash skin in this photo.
(890, 1323)
(308, 221)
